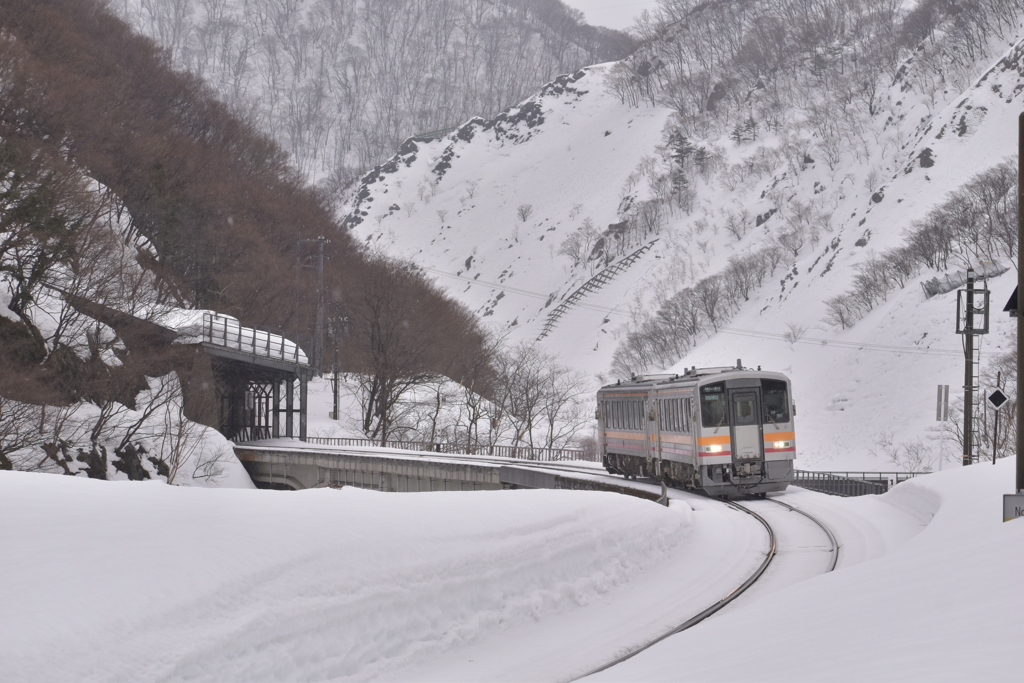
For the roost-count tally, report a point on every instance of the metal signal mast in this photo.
(967, 324)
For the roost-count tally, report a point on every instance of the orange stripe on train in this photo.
(780, 436)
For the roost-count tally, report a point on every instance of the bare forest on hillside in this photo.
(341, 83)
(126, 187)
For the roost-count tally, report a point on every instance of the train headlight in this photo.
(781, 444)
(713, 449)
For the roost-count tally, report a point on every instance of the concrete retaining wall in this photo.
(295, 469)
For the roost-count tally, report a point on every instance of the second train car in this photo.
(725, 431)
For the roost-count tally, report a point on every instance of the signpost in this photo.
(997, 398)
(1013, 506)
(941, 415)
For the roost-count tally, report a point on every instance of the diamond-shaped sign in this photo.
(997, 398)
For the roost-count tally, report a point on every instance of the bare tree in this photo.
(567, 405)
(21, 431)
(524, 211)
(399, 350)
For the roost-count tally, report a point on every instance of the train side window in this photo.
(774, 401)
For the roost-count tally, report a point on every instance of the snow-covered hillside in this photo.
(488, 209)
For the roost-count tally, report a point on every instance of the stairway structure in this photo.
(592, 285)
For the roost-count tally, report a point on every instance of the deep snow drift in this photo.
(125, 581)
(945, 606)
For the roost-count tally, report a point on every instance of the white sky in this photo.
(611, 13)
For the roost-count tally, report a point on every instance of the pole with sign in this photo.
(1013, 504)
(998, 399)
(941, 415)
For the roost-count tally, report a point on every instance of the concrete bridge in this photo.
(296, 465)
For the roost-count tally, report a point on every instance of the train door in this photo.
(654, 432)
(745, 407)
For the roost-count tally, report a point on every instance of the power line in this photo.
(757, 334)
(861, 346)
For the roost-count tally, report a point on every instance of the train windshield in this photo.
(712, 405)
(775, 400)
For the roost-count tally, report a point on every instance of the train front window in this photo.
(712, 405)
(775, 400)
(744, 409)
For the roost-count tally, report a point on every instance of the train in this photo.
(728, 432)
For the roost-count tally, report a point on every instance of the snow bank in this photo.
(945, 605)
(120, 581)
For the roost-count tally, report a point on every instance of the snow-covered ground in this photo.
(124, 581)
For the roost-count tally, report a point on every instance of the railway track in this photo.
(748, 507)
(751, 580)
(701, 616)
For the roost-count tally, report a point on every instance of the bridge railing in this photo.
(225, 331)
(850, 483)
(514, 452)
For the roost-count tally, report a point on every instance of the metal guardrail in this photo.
(850, 483)
(513, 452)
(227, 332)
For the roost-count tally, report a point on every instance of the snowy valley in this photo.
(798, 186)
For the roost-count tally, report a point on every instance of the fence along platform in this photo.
(850, 483)
(513, 452)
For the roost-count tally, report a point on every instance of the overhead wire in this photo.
(757, 334)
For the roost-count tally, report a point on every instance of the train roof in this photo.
(692, 375)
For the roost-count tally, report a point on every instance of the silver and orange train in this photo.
(725, 431)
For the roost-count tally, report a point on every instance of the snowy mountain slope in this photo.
(485, 208)
(575, 151)
(878, 392)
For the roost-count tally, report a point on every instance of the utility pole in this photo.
(318, 334)
(1020, 320)
(1013, 503)
(318, 331)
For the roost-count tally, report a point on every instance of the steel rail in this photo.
(828, 532)
(696, 619)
